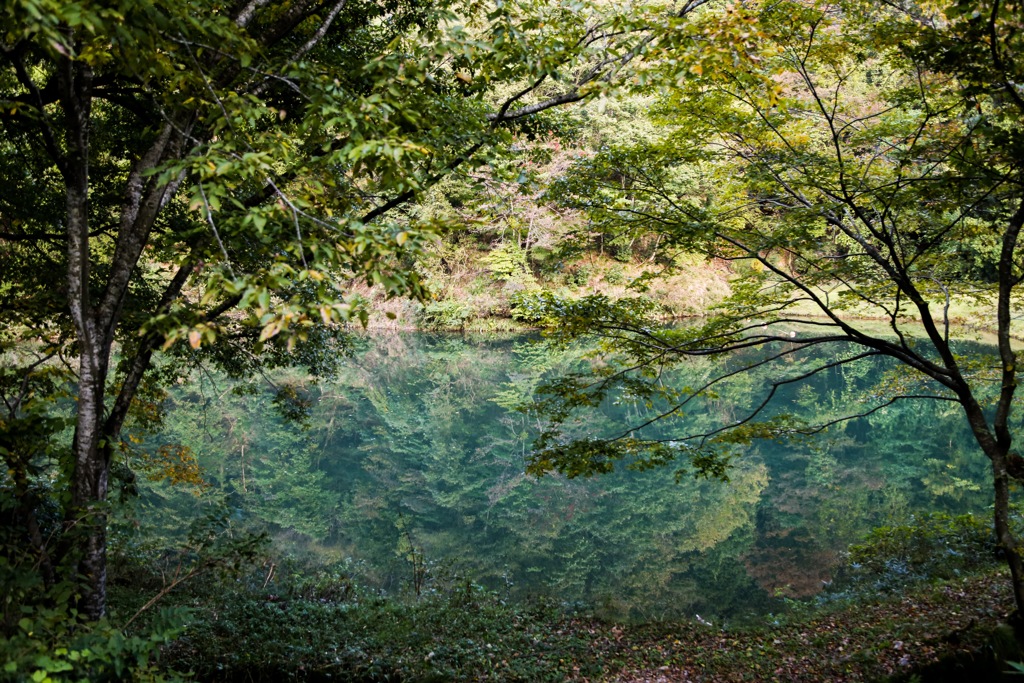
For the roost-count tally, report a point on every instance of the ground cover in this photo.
(949, 630)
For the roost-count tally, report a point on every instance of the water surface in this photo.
(412, 470)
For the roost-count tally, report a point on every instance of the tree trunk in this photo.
(1003, 461)
(1000, 458)
(86, 518)
(1005, 537)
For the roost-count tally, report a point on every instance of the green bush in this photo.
(534, 307)
(623, 254)
(579, 275)
(509, 263)
(42, 635)
(52, 642)
(616, 275)
(447, 314)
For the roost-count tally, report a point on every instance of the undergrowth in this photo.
(321, 626)
(910, 596)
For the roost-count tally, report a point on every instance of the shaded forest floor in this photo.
(948, 631)
(929, 602)
(953, 631)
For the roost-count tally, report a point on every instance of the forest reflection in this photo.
(411, 471)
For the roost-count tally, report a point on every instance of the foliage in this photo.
(535, 307)
(237, 179)
(229, 176)
(448, 314)
(863, 164)
(44, 637)
(285, 629)
(299, 625)
(615, 276)
(508, 262)
(59, 644)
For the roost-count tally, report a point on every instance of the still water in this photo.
(411, 471)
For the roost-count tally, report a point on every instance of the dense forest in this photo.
(512, 340)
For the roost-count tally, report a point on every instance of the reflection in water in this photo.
(415, 456)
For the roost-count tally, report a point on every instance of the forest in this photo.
(511, 340)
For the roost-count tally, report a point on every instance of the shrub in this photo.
(447, 314)
(42, 635)
(615, 275)
(52, 642)
(509, 263)
(579, 275)
(534, 307)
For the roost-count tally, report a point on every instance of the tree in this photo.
(866, 168)
(222, 172)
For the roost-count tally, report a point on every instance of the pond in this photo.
(411, 471)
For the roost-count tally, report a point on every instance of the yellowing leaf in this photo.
(269, 331)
